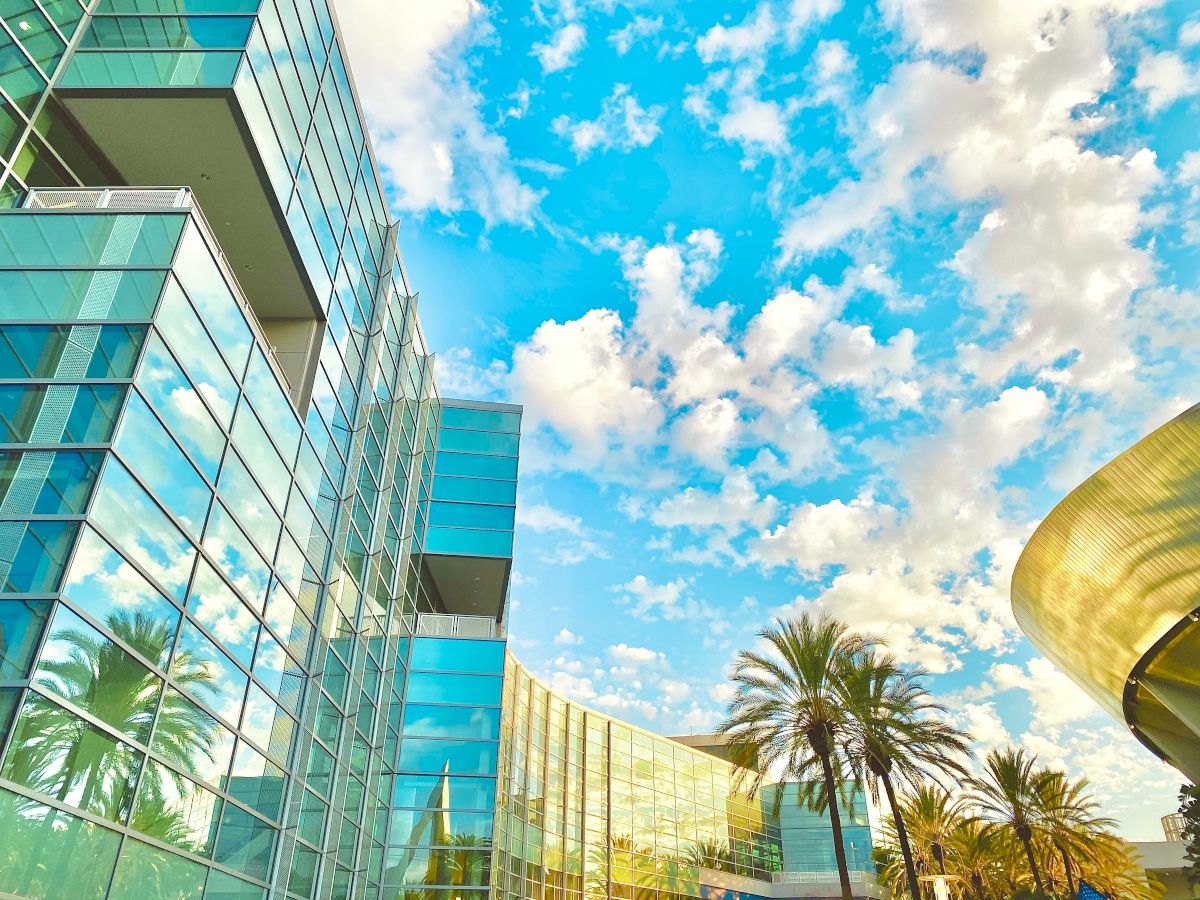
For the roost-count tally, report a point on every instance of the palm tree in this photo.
(893, 737)
(932, 815)
(788, 710)
(1067, 813)
(1009, 794)
(977, 853)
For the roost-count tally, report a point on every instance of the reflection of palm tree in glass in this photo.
(466, 862)
(714, 855)
(100, 677)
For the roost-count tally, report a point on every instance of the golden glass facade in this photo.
(1108, 588)
(588, 806)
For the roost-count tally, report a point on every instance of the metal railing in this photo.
(441, 625)
(828, 877)
(142, 199)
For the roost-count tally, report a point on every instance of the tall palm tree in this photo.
(1067, 814)
(977, 853)
(788, 711)
(1009, 794)
(893, 737)
(931, 816)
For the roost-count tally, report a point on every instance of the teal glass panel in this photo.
(179, 404)
(57, 753)
(59, 413)
(169, 32)
(154, 68)
(145, 871)
(104, 585)
(256, 449)
(21, 623)
(245, 843)
(421, 866)
(169, 7)
(468, 542)
(271, 401)
(303, 876)
(37, 296)
(204, 284)
(217, 681)
(223, 886)
(475, 466)
(11, 129)
(83, 666)
(76, 239)
(292, 626)
(257, 782)
(141, 529)
(36, 839)
(461, 757)
(478, 442)
(215, 606)
(457, 655)
(18, 76)
(470, 515)
(478, 490)
(34, 554)
(47, 482)
(421, 826)
(268, 725)
(9, 698)
(35, 33)
(176, 810)
(480, 419)
(471, 690)
(181, 327)
(242, 496)
(65, 13)
(279, 673)
(237, 557)
(45, 351)
(451, 722)
(311, 824)
(149, 451)
(188, 736)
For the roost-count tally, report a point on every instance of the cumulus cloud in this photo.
(623, 125)
(563, 49)
(1164, 78)
(638, 29)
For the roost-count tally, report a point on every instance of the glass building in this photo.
(253, 568)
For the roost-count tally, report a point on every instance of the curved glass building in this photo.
(1108, 588)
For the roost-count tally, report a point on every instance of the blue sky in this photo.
(811, 305)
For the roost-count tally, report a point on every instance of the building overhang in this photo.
(469, 585)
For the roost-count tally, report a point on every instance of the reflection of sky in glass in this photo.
(255, 447)
(267, 725)
(224, 686)
(200, 277)
(172, 395)
(151, 453)
(102, 583)
(242, 496)
(141, 529)
(209, 762)
(265, 393)
(178, 322)
(217, 608)
(236, 557)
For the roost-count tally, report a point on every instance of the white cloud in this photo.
(1189, 33)
(635, 657)
(543, 517)
(1164, 78)
(735, 43)
(424, 110)
(567, 637)
(652, 601)
(563, 49)
(638, 29)
(623, 125)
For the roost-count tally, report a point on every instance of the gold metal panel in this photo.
(1116, 565)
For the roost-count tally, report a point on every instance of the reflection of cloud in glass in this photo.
(236, 557)
(220, 610)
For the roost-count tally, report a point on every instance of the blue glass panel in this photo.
(478, 442)
(215, 680)
(471, 515)
(242, 496)
(259, 453)
(151, 453)
(185, 734)
(467, 757)
(257, 782)
(168, 32)
(215, 606)
(429, 790)
(468, 542)
(457, 655)
(65, 295)
(47, 482)
(203, 282)
(70, 239)
(479, 490)
(166, 7)
(416, 826)
(33, 555)
(451, 722)
(181, 327)
(476, 466)
(237, 557)
(473, 690)
(113, 68)
(59, 413)
(42, 351)
(480, 419)
(245, 843)
(181, 406)
(104, 585)
(21, 623)
(271, 401)
(141, 529)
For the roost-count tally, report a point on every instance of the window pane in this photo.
(33, 555)
(189, 737)
(468, 542)
(457, 655)
(468, 757)
(187, 337)
(436, 826)
(451, 722)
(245, 843)
(480, 490)
(476, 466)
(156, 458)
(21, 623)
(145, 871)
(142, 530)
(170, 31)
(68, 239)
(427, 791)
(213, 677)
(34, 841)
(43, 351)
(471, 515)
(268, 725)
(202, 280)
(176, 810)
(222, 886)
(61, 295)
(480, 419)
(478, 442)
(215, 606)
(103, 584)
(47, 483)
(257, 782)
(59, 413)
(57, 753)
(241, 494)
(83, 666)
(281, 674)
(269, 397)
(421, 866)
(255, 447)
(178, 402)
(237, 557)
(153, 68)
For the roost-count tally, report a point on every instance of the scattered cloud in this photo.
(563, 49)
(623, 125)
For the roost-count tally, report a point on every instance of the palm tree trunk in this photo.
(1033, 866)
(1067, 867)
(835, 820)
(914, 885)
